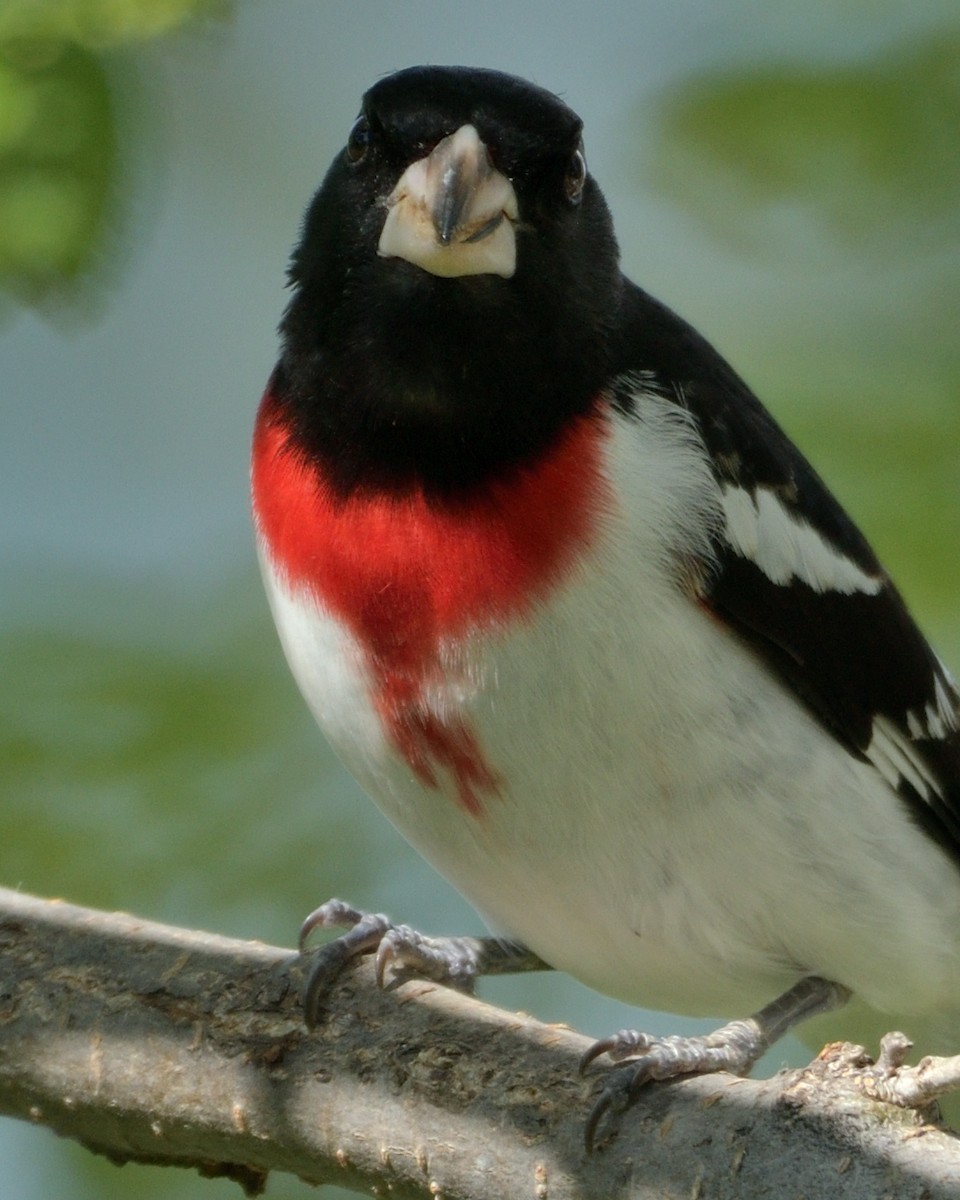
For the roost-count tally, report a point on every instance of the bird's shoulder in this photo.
(793, 577)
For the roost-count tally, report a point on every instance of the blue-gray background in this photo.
(786, 174)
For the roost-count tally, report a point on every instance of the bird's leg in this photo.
(456, 961)
(734, 1047)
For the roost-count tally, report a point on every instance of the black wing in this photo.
(801, 585)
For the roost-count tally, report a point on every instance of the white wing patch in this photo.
(941, 717)
(897, 760)
(785, 547)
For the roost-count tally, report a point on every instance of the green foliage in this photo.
(147, 727)
(59, 143)
(100, 23)
(868, 150)
(58, 156)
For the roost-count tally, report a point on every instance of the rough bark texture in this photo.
(160, 1045)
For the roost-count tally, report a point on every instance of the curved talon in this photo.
(365, 935)
(597, 1113)
(617, 1094)
(404, 950)
(644, 1072)
(334, 914)
(621, 1090)
(625, 1044)
(594, 1052)
(386, 954)
(329, 962)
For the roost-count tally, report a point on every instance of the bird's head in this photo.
(457, 267)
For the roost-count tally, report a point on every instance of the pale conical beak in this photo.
(452, 213)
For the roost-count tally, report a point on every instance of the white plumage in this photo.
(673, 827)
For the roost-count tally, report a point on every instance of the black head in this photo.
(455, 285)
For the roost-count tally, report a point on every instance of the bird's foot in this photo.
(734, 1048)
(403, 953)
(402, 950)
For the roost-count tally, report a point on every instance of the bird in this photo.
(580, 618)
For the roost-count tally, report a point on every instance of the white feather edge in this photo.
(759, 527)
(896, 758)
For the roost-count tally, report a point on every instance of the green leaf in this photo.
(57, 157)
(865, 154)
(100, 23)
(60, 168)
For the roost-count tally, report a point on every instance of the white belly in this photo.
(665, 847)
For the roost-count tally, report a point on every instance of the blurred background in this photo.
(785, 173)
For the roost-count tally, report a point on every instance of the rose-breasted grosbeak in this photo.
(578, 615)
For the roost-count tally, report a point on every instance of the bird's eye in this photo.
(359, 141)
(575, 177)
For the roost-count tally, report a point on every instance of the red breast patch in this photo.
(407, 574)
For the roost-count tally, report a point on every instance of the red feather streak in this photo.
(409, 576)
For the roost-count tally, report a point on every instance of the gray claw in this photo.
(619, 1092)
(365, 932)
(626, 1044)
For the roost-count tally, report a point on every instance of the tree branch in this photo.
(160, 1045)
